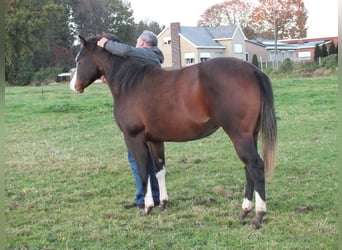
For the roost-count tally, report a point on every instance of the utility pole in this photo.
(275, 15)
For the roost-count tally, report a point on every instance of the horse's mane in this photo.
(127, 72)
(130, 72)
(94, 38)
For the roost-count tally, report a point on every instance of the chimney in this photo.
(175, 45)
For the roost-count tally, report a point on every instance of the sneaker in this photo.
(141, 206)
(133, 205)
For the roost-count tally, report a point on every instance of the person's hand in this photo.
(102, 42)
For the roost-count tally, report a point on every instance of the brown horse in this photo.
(153, 105)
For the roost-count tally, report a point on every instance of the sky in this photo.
(321, 21)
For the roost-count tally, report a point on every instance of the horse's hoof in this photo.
(257, 221)
(147, 210)
(163, 205)
(256, 224)
(243, 214)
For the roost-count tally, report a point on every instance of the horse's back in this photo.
(229, 79)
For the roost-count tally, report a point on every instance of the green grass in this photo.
(67, 177)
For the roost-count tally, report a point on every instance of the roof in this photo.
(256, 42)
(208, 36)
(270, 44)
(311, 44)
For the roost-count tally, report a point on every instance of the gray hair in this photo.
(149, 37)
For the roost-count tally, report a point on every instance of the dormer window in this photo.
(167, 40)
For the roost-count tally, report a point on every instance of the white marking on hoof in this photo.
(260, 204)
(162, 186)
(246, 205)
(149, 203)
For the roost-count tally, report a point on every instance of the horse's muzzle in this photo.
(74, 86)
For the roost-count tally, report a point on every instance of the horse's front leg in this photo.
(158, 154)
(139, 150)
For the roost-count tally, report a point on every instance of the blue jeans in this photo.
(139, 196)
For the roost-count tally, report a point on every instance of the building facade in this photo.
(184, 45)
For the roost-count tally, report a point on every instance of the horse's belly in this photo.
(177, 132)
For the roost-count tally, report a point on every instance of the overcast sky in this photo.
(321, 21)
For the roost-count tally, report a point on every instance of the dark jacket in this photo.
(143, 55)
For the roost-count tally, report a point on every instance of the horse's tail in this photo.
(268, 123)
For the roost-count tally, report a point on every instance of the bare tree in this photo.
(229, 12)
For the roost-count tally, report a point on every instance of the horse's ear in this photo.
(83, 41)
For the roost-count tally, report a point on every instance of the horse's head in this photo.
(88, 69)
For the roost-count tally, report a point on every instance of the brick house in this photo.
(184, 45)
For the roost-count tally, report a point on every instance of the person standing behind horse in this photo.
(145, 51)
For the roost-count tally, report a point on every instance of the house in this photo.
(256, 47)
(306, 46)
(185, 45)
(283, 51)
(298, 50)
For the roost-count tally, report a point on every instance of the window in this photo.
(167, 40)
(304, 55)
(237, 48)
(189, 58)
(291, 54)
(204, 56)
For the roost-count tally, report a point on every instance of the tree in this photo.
(148, 25)
(104, 16)
(27, 25)
(317, 53)
(324, 50)
(332, 48)
(255, 60)
(229, 12)
(285, 17)
(40, 34)
(60, 41)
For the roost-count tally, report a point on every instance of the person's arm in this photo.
(113, 47)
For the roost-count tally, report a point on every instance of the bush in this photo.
(46, 74)
(330, 62)
(286, 66)
(255, 60)
(20, 72)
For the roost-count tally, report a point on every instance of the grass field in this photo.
(67, 177)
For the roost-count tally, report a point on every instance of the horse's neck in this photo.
(109, 65)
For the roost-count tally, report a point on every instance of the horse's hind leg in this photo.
(158, 155)
(247, 201)
(247, 151)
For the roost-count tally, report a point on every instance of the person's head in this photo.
(147, 39)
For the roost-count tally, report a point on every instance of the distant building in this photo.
(305, 51)
(185, 45)
(299, 50)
